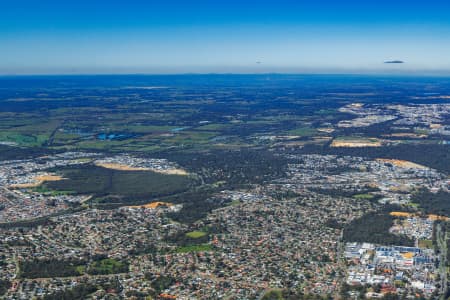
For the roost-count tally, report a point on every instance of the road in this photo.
(441, 237)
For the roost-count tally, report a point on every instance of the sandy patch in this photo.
(435, 126)
(409, 215)
(402, 163)
(437, 218)
(356, 143)
(121, 167)
(401, 214)
(49, 178)
(152, 205)
(37, 181)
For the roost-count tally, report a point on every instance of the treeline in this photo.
(48, 268)
(232, 168)
(374, 228)
(4, 286)
(433, 203)
(13, 153)
(196, 204)
(123, 185)
(235, 167)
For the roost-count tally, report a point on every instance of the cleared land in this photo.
(37, 181)
(152, 205)
(402, 163)
(432, 217)
(356, 143)
(120, 167)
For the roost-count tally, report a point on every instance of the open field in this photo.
(356, 143)
(196, 234)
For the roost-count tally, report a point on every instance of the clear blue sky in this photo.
(168, 36)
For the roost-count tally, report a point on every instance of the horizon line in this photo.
(411, 74)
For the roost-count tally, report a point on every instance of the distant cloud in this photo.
(394, 62)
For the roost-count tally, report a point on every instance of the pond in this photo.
(111, 136)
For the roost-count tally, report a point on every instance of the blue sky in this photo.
(168, 36)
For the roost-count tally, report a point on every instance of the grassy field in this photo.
(213, 127)
(196, 234)
(107, 266)
(426, 244)
(28, 140)
(44, 190)
(303, 131)
(364, 196)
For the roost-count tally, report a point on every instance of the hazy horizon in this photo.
(110, 37)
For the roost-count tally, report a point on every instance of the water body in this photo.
(103, 136)
(111, 136)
